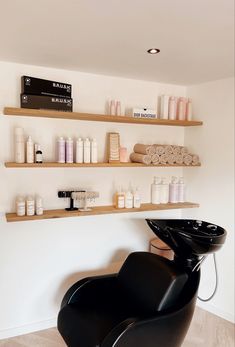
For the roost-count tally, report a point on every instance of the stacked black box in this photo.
(44, 94)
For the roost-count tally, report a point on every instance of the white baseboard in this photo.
(215, 310)
(28, 328)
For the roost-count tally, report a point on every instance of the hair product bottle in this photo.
(164, 106)
(87, 151)
(173, 190)
(120, 199)
(156, 189)
(60, 150)
(128, 199)
(30, 205)
(136, 198)
(181, 190)
(94, 152)
(79, 150)
(19, 145)
(30, 151)
(189, 110)
(164, 197)
(39, 205)
(112, 108)
(69, 150)
(172, 108)
(38, 157)
(20, 206)
(118, 108)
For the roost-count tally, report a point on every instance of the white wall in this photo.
(213, 184)
(39, 260)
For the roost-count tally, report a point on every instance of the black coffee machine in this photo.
(191, 240)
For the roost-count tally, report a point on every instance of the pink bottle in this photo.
(172, 108)
(118, 108)
(112, 108)
(189, 110)
(181, 109)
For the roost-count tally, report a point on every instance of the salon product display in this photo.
(45, 94)
(163, 155)
(127, 199)
(163, 192)
(29, 206)
(80, 196)
(173, 108)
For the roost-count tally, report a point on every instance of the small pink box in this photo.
(123, 155)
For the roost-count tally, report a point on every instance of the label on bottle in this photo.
(20, 208)
(39, 211)
(129, 202)
(137, 201)
(121, 201)
(30, 207)
(38, 157)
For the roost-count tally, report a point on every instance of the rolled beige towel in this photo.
(140, 158)
(176, 150)
(155, 159)
(144, 149)
(188, 159)
(179, 159)
(168, 149)
(183, 150)
(163, 159)
(159, 149)
(196, 160)
(171, 159)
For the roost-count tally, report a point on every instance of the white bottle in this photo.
(112, 108)
(19, 145)
(136, 199)
(30, 151)
(189, 110)
(164, 106)
(39, 206)
(60, 150)
(118, 108)
(69, 150)
(172, 108)
(94, 152)
(128, 199)
(87, 151)
(164, 192)
(30, 206)
(181, 190)
(79, 150)
(173, 190)
(20, 206)
(156, 189)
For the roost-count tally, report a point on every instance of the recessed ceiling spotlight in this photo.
(153, 50)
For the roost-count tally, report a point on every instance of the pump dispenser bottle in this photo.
(30, 150)
(69, 150)
(136, 198)
(119, 198)
(181, 190)
(156, 189)
(94, 154)
(129, 199)
(60, 150)
(79, 150)
(173, 190)
(164, 197)
(87, 151)
(19, 145)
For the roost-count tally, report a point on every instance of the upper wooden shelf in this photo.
(26, 112)
(99, 210)
(84, 165)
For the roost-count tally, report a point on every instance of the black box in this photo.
(46, 102)
(38, 86)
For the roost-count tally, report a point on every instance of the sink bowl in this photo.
(189, 238)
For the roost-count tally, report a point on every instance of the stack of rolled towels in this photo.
(163, 155)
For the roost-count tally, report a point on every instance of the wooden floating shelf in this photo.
(98, 210)
(76, 165)
(26, 112)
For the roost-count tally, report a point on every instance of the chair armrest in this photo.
(99, 283)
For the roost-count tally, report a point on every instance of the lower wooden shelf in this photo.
(90, 165)
(98, 210)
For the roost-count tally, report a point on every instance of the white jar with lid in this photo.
(20, 206)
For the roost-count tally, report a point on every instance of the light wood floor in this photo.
(206, 330)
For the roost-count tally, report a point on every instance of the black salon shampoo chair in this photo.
(149, 303)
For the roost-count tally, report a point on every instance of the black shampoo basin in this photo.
(188, 237)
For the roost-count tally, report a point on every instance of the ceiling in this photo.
(196, 37)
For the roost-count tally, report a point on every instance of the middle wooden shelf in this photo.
(89, 165)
